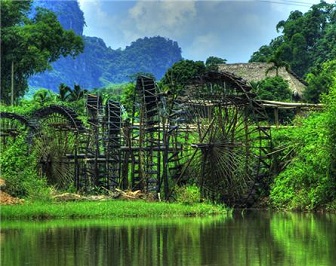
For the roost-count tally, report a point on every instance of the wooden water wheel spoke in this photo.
(229, 148)
(13, 125)
(57, 140)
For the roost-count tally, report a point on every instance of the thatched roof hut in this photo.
(257, 71)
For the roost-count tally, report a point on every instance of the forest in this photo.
(300, 155)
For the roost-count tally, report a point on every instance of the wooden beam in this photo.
(289, 105)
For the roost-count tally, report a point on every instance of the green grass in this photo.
(107, 209)
(115, 222)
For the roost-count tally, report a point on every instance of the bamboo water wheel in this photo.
(13, 126)
(59, 128)
(230, 137)
(215, 135)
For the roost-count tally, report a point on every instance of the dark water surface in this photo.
(249, 238)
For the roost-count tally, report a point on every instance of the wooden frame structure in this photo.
(168, 140)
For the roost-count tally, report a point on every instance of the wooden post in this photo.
(276, 116)
(12, 84)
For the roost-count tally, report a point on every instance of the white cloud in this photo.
(167, 18)
(229, 29)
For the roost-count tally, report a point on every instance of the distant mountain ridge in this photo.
(100, 65)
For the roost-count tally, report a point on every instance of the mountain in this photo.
(68, 13)
(100, 65)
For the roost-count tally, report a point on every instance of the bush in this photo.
(308, 181)
(19, 168)
(188, 194)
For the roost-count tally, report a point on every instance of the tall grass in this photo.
(107, 209)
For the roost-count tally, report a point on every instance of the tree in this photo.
(308, 181)
(325, 49)
(43, 97)
(300, 55)
(278, 62)
(64, 92)
(77, 93)
(182, 72)
(127, 98)
(307, 39)
(212, 62)
(29, 45)
(266, 51)
(274, 89)
(320, 80)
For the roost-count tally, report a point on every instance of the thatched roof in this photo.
(257, 71)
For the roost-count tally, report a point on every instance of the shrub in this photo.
(19, 169)
(308, 182)
(188, 194)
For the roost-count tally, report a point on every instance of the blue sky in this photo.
(232, 30)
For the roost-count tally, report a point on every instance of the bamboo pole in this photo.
(289, 105)
(12, 84)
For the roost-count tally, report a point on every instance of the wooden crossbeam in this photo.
(289, 105)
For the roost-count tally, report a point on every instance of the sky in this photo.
(232, 30)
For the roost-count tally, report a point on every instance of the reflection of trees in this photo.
(256, 239)
(152, 243)
(242, 240)
(305, 239)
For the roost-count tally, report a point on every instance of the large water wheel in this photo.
(13, 126)
(57, 144)
(230, 137)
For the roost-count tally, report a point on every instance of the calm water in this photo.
(254, 238)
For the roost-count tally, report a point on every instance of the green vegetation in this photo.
(307, 41)
(183, 71)
(304, 160)
(115, 222)
(212, 62)
(188, 194)
(107, 209)
(307, 181)
(29, 45)
(19, 168)
(304, 167)
(275, 89)
(320, 79)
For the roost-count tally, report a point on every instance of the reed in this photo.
(107, 209)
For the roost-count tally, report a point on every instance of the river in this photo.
(245, 238)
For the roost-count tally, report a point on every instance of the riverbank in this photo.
(107, 209)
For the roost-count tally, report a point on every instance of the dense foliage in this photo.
(305, 161)
(212, 62)
(320, 80)
(29, 45)
(308, 159)
(19, 167)
(274, 89)
(306, 39)
(185, 71)
(180, 73)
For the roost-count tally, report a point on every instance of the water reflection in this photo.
(254, 238)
